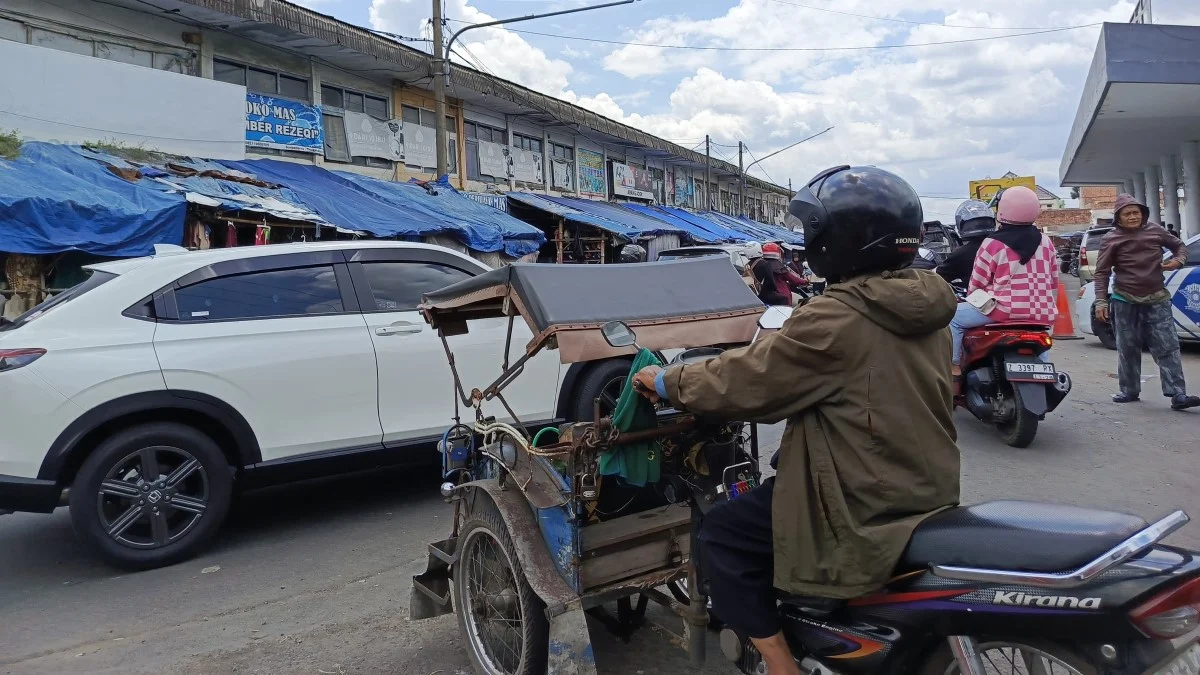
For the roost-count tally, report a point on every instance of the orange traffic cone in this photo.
(1064, 325)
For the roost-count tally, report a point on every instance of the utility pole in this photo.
(741, 209)
(441, 135)
(707, 171)
(441, 66)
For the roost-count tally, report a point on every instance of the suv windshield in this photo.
(97, 279)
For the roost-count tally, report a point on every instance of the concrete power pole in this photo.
(741, 209)
(441, 134)
(707, 170)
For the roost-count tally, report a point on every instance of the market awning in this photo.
(387, 209)
(574, 215)
(759, 231)
(703, 230)
(54, 199)
(645, 225)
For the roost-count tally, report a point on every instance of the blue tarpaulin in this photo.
(699, 229)
(643, 224)
(760, 231)
(574, 215)
(55, 199)
(387, 209)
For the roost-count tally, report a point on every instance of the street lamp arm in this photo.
(789, 147)
(527, 17)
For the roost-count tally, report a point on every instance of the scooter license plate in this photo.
(1019, 371)
(1186, 661)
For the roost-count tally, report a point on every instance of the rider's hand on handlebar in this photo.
(643, 382)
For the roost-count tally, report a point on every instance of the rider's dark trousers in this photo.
(1151, 327)
(738, 559)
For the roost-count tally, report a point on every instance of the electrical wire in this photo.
(916, 23)
(802, 49)
(760, 166)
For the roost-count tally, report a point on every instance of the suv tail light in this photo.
(11, 359)
(1171, 614)
(1083, 256)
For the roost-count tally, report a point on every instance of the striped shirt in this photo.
(1023, 292)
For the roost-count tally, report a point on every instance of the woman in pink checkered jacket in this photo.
(1017, 266)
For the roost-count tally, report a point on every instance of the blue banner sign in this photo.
(283, 124)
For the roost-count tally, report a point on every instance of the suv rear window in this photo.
(95, 281)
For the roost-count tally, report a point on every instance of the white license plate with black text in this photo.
(1039, 372)
(1185, 662)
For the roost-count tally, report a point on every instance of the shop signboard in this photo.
(420, 145)
(493, 160)
(526, 165)
(560, 174)
(683, 190)
(283, 124)
(629, 181)
(591, 172)
(368, 136)
(987, 188)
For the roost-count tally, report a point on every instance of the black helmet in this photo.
(857, 220)
(974, 218)
(633, 253)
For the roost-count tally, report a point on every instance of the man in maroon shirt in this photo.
(1140, 305)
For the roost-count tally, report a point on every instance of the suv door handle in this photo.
(402, 328)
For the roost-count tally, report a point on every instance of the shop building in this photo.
(324, 92)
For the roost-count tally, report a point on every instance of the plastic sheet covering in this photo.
(700, 230)
(405, 210)
(760, 231)
(574, 215)
(644, 225)
(54, 198)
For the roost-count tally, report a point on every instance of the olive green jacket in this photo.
(862, 376)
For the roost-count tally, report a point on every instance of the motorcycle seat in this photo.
(1016, 536)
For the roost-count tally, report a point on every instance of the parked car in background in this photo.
(737, 254)
(152, 391)
(1184, 285)
(1089, 249)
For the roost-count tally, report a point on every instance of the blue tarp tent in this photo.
(705, 230)
(574, 215)
(643, 224)
(387, 209)
(55, 199)
(760, 231)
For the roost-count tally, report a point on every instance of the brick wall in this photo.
(1098, 196)
(1064, 220)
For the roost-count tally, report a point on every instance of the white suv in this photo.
(147, 394)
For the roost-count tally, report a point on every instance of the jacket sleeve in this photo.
(1173, 244)
(772, 379)
(1104, 265)
(958, 264)
(985, 269)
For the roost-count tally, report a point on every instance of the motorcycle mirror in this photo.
(617, 334)
(773, 318)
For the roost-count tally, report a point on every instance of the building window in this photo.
(527, 143)
(562, 167)
(477, 132)
(334, 102)
(426, 118)
(261, 81)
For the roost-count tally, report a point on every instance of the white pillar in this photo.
(1129, 186)
(1152, 198)
(1191, 187)
(1139, 187)
(1170, 186)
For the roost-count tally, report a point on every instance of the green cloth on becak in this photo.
(637, 463)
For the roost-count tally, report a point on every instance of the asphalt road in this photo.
(315, 578)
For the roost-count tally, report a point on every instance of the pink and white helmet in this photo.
(1018, 206)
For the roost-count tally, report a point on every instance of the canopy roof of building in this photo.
(1139, 103)
(293, 28)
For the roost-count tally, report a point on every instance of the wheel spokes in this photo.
(122, 523)
(187, 504)
(120, 488)
(149, 464)
(160, 530)
(182, 472)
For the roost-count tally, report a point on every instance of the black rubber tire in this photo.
(485, 520)
(1020, 431)
(1104, 332)
(1140, 657)
(591, 384)
(84, 510)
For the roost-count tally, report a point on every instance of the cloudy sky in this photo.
(939, 115)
